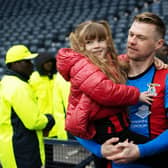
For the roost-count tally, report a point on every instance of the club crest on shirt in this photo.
(152, 88)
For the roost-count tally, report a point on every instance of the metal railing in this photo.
(66, 154)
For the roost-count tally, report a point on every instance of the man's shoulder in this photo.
(161, 71)
(161, 75)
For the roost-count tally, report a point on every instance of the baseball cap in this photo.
(18, 53)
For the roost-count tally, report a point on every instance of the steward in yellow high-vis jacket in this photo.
(21, 123)
(60, 97)
(47, 90)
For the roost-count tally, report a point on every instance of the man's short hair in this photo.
(151, 18)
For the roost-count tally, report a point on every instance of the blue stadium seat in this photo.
(45, 24)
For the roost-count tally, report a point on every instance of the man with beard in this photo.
(145, 37)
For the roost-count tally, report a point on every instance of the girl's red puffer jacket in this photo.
(92, 96)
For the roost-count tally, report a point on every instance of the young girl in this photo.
(98, 97)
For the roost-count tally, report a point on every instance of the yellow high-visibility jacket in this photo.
(21, 125)
(50, 100)
(61, 93)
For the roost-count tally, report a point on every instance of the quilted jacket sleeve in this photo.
(92, 81)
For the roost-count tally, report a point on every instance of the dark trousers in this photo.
(100, 162)
(49, 155)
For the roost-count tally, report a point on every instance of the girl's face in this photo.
(97, 47)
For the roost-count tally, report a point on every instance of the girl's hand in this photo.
(146, 97)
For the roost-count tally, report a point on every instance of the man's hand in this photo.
(108, 148)
(129, 152)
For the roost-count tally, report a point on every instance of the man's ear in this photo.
(159, 44)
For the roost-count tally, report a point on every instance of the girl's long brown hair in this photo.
(90, 30)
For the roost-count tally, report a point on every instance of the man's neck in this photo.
(138, 67)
